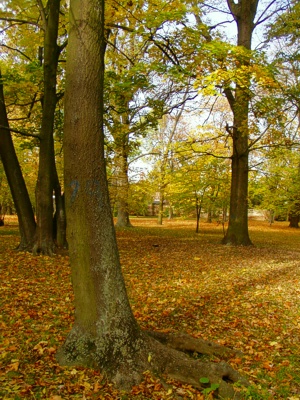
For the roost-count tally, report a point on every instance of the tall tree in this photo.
(15, 179)
(244, 12)
(46, 175)
(105, 334)
(241, 75)
(33, 106)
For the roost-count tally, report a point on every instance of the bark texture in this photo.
(15, 179)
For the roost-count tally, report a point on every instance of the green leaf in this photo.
(204, 380)
(215, 386)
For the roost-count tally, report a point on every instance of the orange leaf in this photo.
(268, 365)
(14, 366)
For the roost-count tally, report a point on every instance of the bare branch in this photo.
(124, 28)
(120, 51)
(62, 47)
(19, 21)
(22, 133)
(17, 50)
(261, 20)
(143, 155)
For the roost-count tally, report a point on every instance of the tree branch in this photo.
(261, 20)
(143, 155)
(43, 13)
(19, 21)
(22, 133)
(230, 97)
(17, 50)
(124, 28)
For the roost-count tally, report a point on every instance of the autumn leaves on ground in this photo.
(241, 297)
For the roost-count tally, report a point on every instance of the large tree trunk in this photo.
(45, 184)
(244, 12)
(237, 232)
(15, 179)
(105, 333)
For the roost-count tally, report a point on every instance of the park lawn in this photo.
(242, 297)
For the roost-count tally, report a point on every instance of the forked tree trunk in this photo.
(45, 183)
(15, 179)
(244, 12)
(105, 333)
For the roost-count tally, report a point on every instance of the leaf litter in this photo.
(245, 298)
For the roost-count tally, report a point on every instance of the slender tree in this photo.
(46, 174)
(15, 179)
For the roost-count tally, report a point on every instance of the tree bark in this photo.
(45, 183)
(104, 321)
(15, 179)
(244, 12)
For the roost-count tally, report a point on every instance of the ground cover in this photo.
(241, 297)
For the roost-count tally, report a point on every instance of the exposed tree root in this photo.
(163, 360)
(148, 353)
(185, 369)
(187, 343)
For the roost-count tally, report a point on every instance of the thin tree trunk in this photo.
(160, 208)
(198, 213)
(123, 186)
(45, 183)
(15, 179)
(209, 215)
(171, 211)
